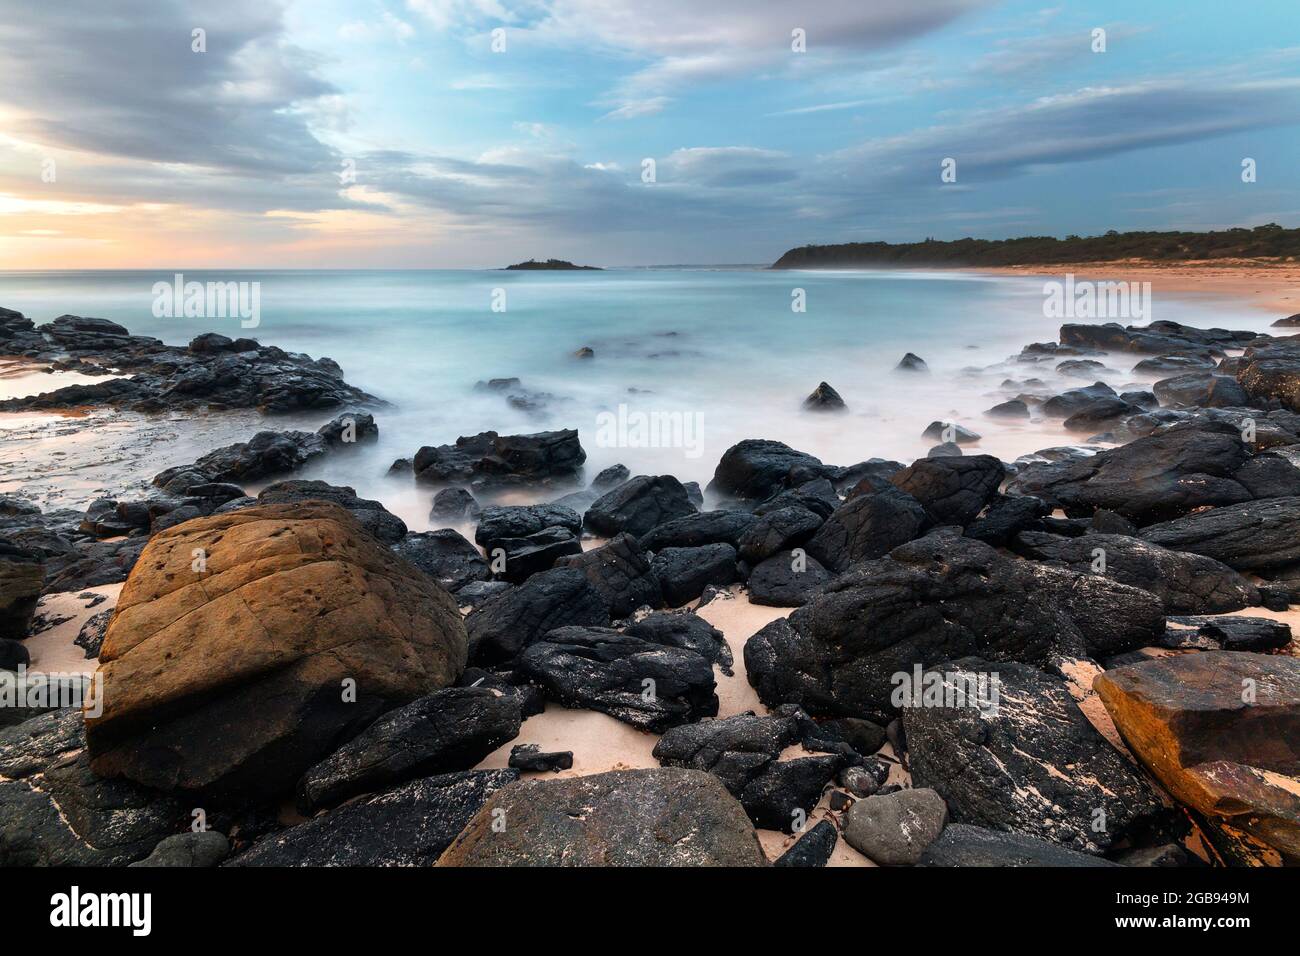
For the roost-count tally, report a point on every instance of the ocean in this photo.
(687, 361)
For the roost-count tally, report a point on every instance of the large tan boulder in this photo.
(1221, 731)
(248, 645)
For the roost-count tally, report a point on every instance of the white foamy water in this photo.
(719, 349)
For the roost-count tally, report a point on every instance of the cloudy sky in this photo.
(469, 133)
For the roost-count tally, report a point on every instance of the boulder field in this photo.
(301, 648)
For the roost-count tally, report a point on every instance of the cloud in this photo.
(121, 80)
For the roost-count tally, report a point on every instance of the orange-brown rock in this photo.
(1221, 731)
(248, 645)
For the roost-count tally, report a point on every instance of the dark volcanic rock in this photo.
(67, 816)
(1006, 517)
(450, 729)
(657, 817)
(502, 459)
(787, 580)
(932, 600)
(961, 844)
(778, 530)
(264, 455)
(445, 556)
(1035, 766)
(620, 571)
(1271, 373)
(1257, 536)
(505, 625)
(824, 399)
(91, 636)
(756, 469)
(783, 796)
(1185, 583)
(650, 686)
(686, 630)
(911, 363)
(1160, 476)
(867, 526)
(638, 506)
(214, 372)
(610, 477)
(530, 757)
(410, 825)
(949, 433)
(1076, 400)
(1014, 408)
(1203, 389)
(349, 428)
(1102, 413)
(22, 575)
(370, 514)
(684, 573)
(952, 490)
(521, 558)
(519, 521)
(693, 530)
(1229, 633)
(204, 848)
(454, 504)
(13, 655)
(814, 848)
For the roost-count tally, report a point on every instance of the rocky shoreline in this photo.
(294, 677)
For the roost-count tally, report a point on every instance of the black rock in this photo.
(693, 530)
(961, 844)
(639, 505)
(610, 477)
(949, 433)
(204, 848)
(757, 468)
(1100, 414)
(505, 625)
(1202, 389)
(911, 363)
(518, 521)
(1034, 764)
(1260, 536)
(264, 455)
(1006, 517)
(784, 794)
(476, 593)
(450, 729)
(1076, 399)
(1230, 632)
(1185, 583)
(349, 428)
(517, 559)
(620, 571)
(502, 459)
(868, 526)
(410, 825)
(531, 757)
(371, 515)
(1014, 408)
(814, 848)
(787, 580)
(935, 599)
(684, 573)
(454, 504)
(952, 490)
(445, 556)
(824, 399)
(91, 636)
(649, 686)
(776, 531)
(13, 655)
(686, 630)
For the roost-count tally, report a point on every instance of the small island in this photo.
(550, 264)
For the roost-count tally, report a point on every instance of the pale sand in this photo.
(52, 649)
(1275, 288)
(601, 743)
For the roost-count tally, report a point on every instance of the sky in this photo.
(474, 133)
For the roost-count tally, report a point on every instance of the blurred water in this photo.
(722, 345)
